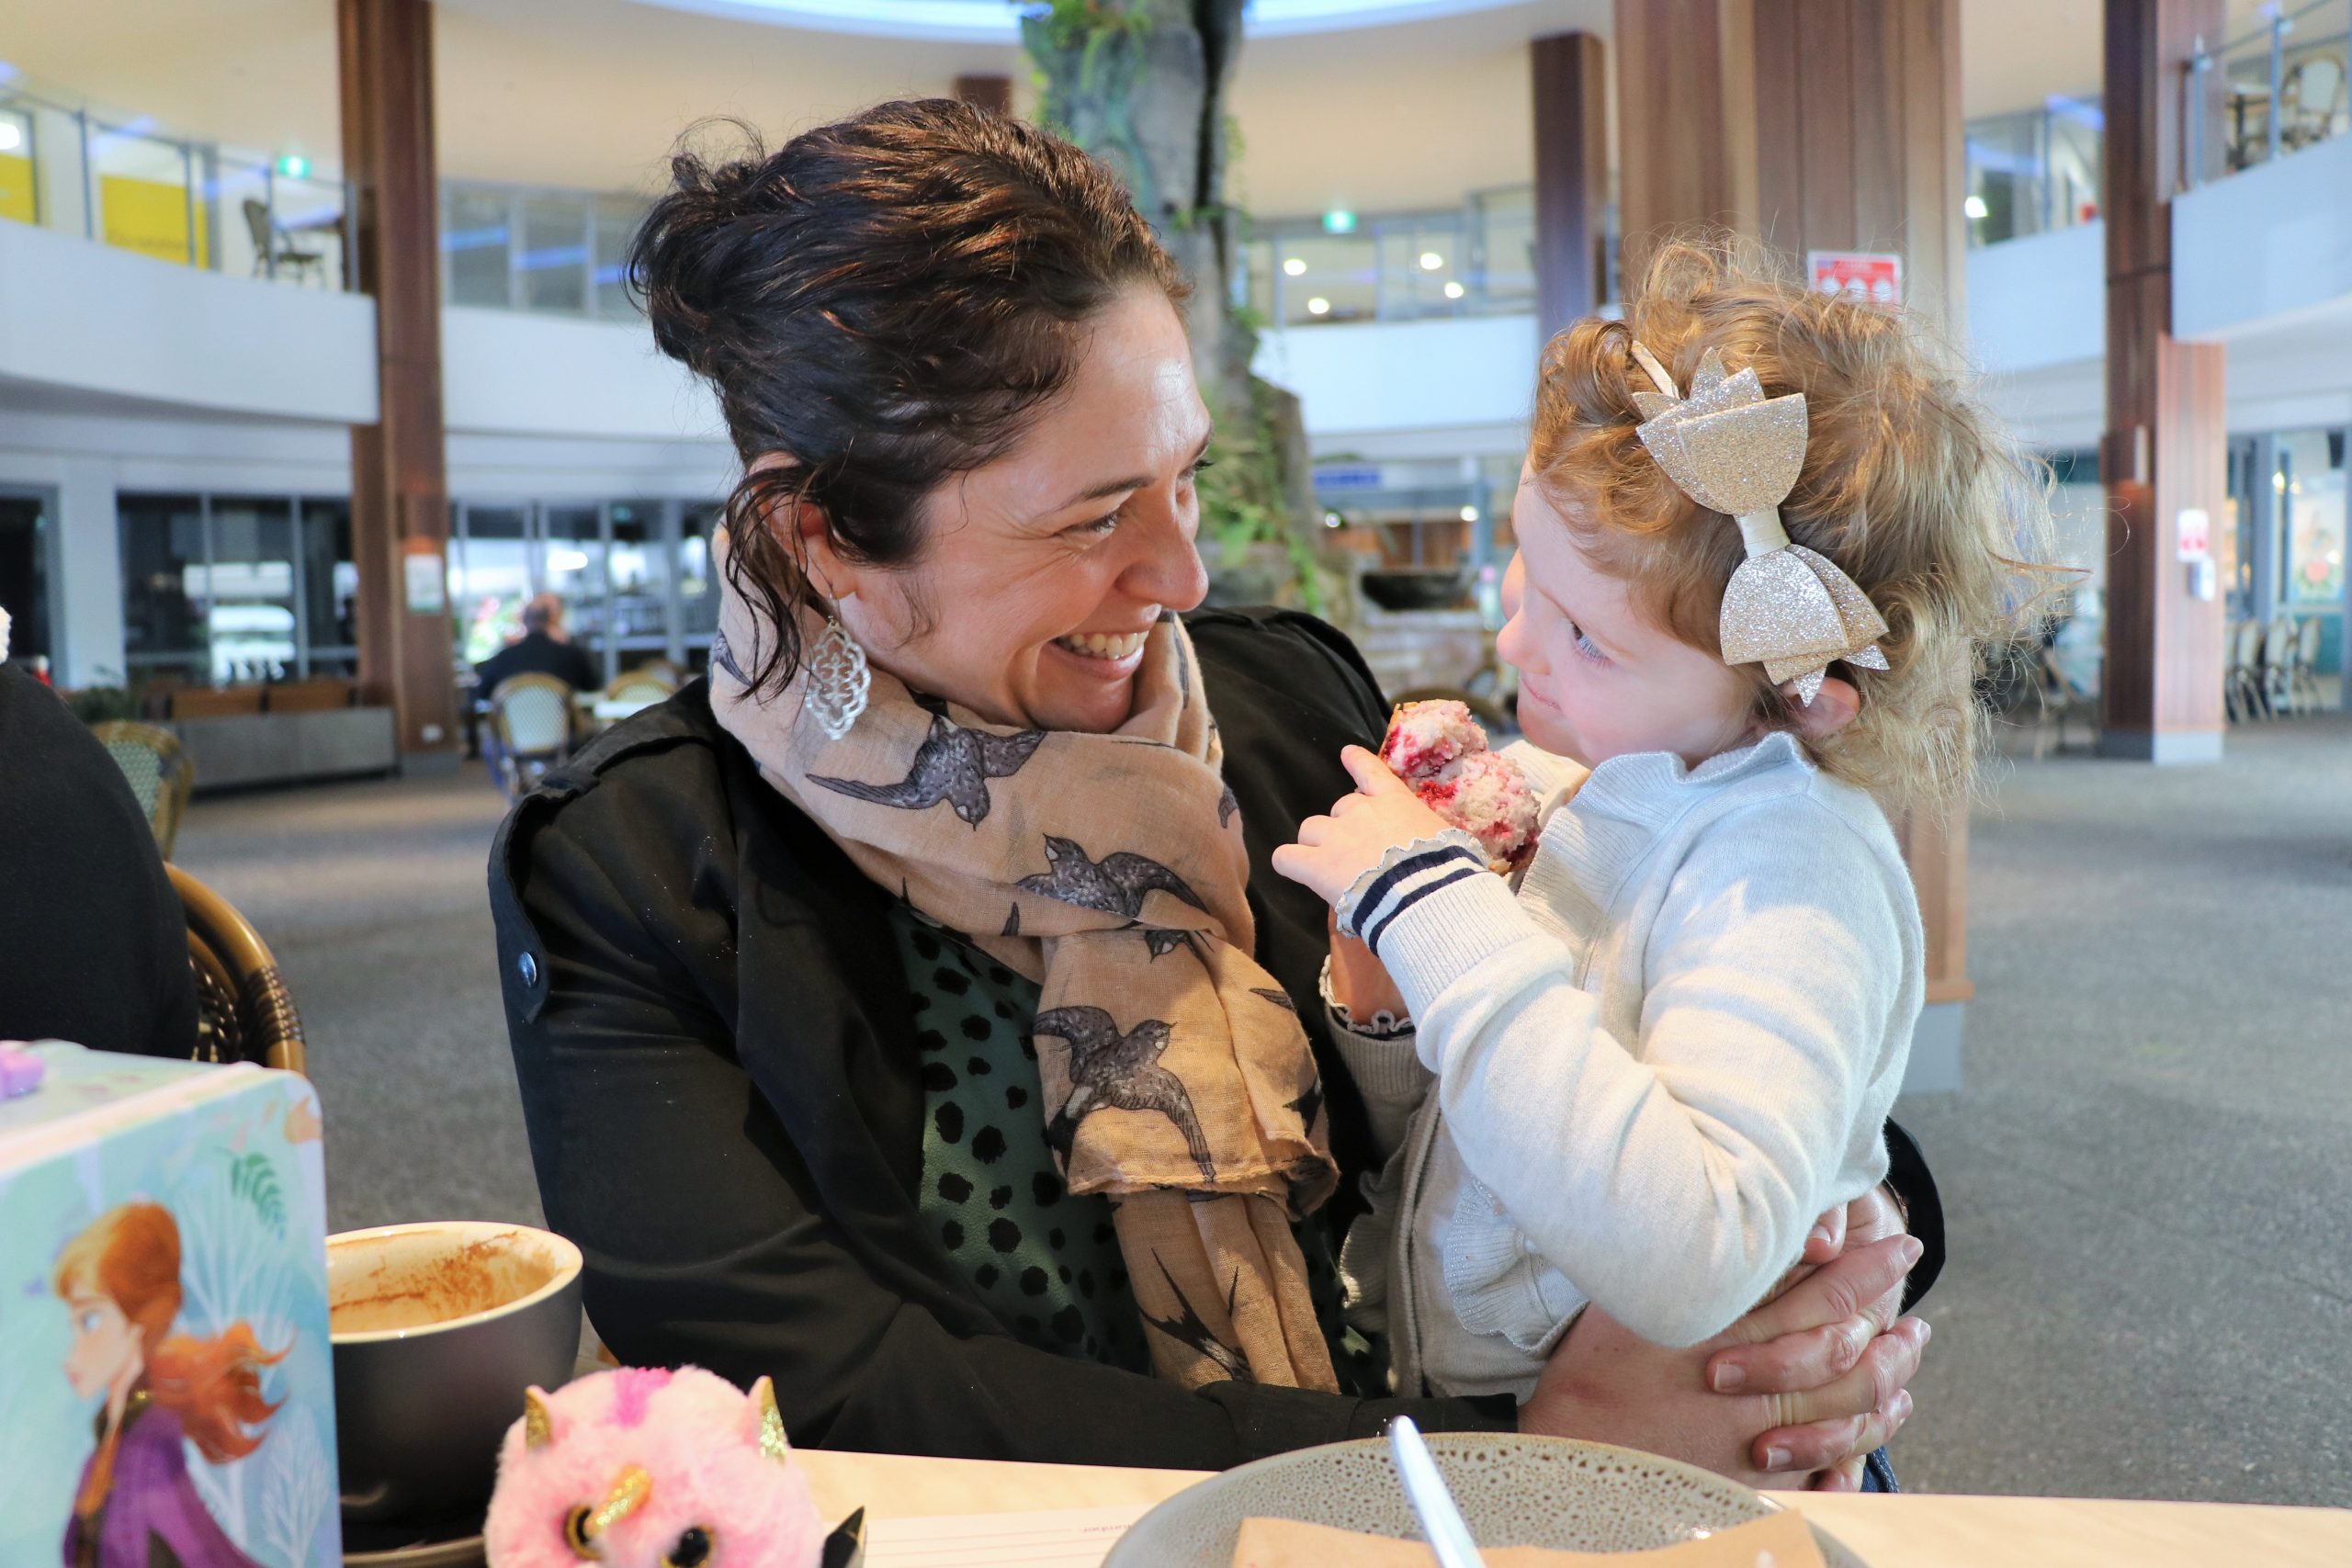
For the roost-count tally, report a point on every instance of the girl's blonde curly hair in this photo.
(1909, 484)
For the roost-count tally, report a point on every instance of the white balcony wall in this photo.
(1372, 379)
(2270, 244)
(2038, 302)
(513, 373)
(85, 318)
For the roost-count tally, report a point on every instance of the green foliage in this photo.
(99, 705)
(1242, 499)
(254, 1179)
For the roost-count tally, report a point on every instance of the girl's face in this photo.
(1041, 573)
(1598, 677)
(106, 1344)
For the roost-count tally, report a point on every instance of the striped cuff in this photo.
(1439, 939)
(1404, 877)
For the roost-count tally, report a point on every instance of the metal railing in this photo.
(124, 181)
(2284, 86)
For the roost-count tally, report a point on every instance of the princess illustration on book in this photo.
(136, 1506)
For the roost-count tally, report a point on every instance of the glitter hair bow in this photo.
(1732, 449)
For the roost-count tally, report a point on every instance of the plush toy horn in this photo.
(539, 1427)
(771, 1441)
(1732, 449)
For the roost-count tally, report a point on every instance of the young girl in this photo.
(1738, 616)
(158, 1392)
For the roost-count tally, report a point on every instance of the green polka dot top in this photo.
(1046, 1263)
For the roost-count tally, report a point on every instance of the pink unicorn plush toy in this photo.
(641, 1468)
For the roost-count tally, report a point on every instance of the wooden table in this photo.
(1915, 1530)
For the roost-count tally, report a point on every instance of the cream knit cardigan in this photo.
(1655, 1065)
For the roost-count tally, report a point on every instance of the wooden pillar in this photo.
(1571, 83)
(1817, 125)
(993, 94)
(2166, 449)
(399, 492)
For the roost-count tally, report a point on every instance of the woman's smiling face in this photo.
(1041, 573)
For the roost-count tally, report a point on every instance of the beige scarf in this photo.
(1111, 869)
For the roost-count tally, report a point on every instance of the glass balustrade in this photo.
(1476, 260)
(2284, 83)
(121, 179)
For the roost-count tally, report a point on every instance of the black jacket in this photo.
(720, 1075)
(535, 653)
(92, 941)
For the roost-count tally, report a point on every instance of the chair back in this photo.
(642, 687)
(2246, 646)
(2307, 633)
(2277, 642)
(158, 771)
(257, 221)
(531, 715)
(244, 1013)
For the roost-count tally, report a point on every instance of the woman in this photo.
(954, 876)
(136, 1507)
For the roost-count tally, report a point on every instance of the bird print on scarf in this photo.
(1119, 1071)
(1115, 885)
(953, 765)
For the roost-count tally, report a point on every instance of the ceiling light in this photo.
(567, 561)
(10, 137)
(1293, 267)
(1338, 220)
(1432, 261)
(1452, 290)
(1469, 514)
(1333, 520)
(1974, 206)
(1318, 305)
(294, 166)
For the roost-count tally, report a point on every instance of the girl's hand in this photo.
(1360, 982)
(1333, 851)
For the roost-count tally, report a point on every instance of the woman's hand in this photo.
(1802, 1388)
(1333, 851)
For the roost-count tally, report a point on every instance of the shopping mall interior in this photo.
(319, 362)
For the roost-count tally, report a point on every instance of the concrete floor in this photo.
(2148, 1174)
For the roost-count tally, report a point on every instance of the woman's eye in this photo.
(692, 1549)
(1100, 525)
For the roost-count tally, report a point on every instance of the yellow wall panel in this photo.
(150, 217)
(16, 187)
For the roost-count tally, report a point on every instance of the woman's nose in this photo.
(1167, 570)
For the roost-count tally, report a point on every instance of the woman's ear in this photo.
(801, 529)
(1832, 709)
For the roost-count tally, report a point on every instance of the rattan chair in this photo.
(159, 772)
(531, 720)
(245, 1013)
(2303, 665)
(2242, 677)
(642, 687)
(2277, 664)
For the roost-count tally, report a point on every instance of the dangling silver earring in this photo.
(838, 679)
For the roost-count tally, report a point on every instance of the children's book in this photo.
(165, 1367)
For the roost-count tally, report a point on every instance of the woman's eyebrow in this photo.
(1120, 486)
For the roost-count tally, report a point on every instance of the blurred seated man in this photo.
(542, 649)
(92, 941)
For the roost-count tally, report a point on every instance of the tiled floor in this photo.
(2149, 1172)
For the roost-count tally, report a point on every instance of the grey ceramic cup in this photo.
(438, 1330)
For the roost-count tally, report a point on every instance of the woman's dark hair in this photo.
(881, 301)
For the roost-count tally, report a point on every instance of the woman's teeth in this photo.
(1103, 645)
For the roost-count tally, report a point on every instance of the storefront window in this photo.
(554, 262)
(697, 575)
(249, 591)
(165, 585)
(638, 573)
(474, 227)
(2311, 483)
(573, 568)
(492, 578)
(330, 588)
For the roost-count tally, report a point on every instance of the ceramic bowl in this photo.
(438, 1329)
(1514, 1491)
